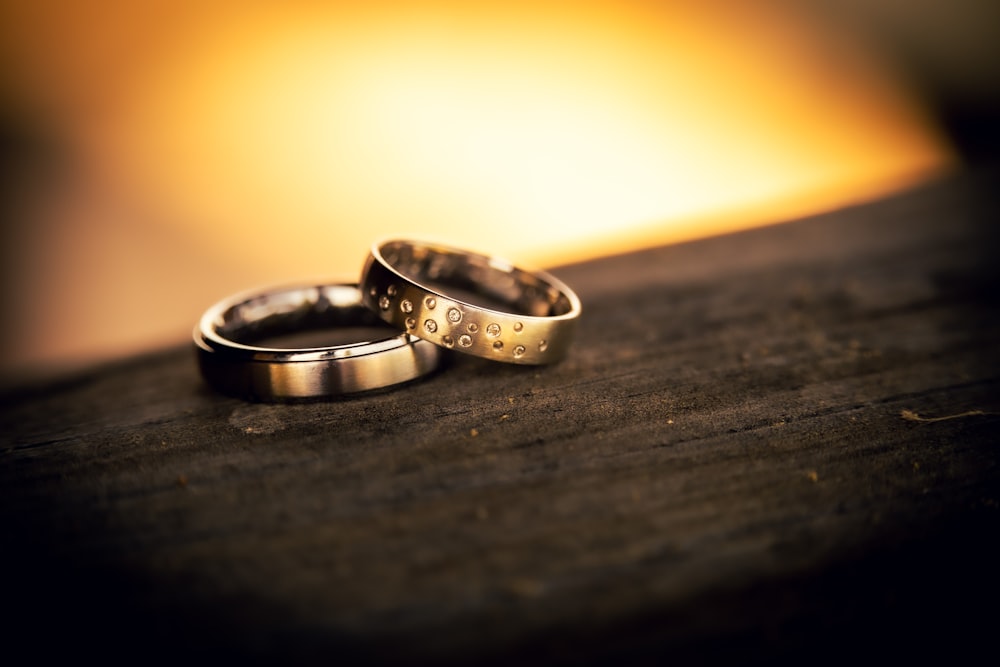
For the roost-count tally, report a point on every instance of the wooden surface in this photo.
(779, 445)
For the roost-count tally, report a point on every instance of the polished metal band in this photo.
(469, 302)
(231, 363)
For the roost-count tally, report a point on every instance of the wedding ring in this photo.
(471, 303)
(231, 362)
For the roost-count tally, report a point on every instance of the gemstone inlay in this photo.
(454, 315)
(543, 345)
(518, 351)
(383, 302)
(492, 329)
(465, 340)
(518, 327)
(430, 326)
(473, 327)
(448, 341)
(391, 290)
(406, 306)
(430, 302)
(410, 323)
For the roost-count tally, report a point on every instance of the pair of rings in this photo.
(434, 297)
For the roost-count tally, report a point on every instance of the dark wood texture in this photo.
(778, 445)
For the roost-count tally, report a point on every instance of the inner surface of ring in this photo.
(303, 318)
(477, 279)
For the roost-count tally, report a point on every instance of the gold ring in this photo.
(472, 303)
(231, 362)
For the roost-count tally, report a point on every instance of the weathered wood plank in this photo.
(767, 445)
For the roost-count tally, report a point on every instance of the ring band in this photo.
(231, 363)
(428, 290)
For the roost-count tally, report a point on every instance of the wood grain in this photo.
(770, 446)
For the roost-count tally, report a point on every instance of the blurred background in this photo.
(158, 156)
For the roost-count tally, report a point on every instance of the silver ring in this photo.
(469, 302)
(231, 362)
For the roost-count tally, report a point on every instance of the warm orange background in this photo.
(201, 151)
